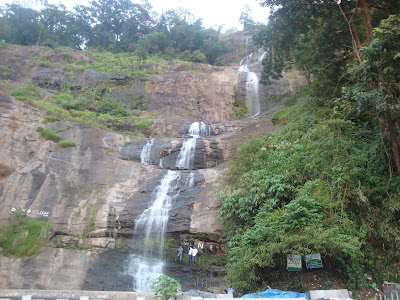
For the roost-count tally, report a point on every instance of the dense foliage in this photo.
(114, 25)
(165, 287)
(329, 181)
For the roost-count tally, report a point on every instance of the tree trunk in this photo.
(367, 19)
(349, 19)
(393, 140)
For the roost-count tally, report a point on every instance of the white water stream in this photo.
(150, 228)
(186, 156)
(252, 81)
(146, 152)
(151, 225)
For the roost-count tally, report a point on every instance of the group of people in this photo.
(192, 254)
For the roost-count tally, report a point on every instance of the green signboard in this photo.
(313, 261)
(294, 262)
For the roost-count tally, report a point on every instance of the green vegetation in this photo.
(87, 106)
(124, 27)
(29, 92)
(48, 134)
(119, 242)
(328, 181)
(113, 109)
(66, 144)
(165, 287)
(6, 69)
(240, 109)
(50, 119)
(5, 170)
(280, 117)
(23, 236)
(91, 224)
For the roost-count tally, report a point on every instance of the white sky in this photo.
(213, 12)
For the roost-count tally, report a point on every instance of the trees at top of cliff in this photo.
(20, 25)
(179, 34)
(114, 24)
(246, 19)
(59, 27)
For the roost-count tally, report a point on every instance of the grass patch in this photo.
(50, 119)
(4, 45)
(5, 170)
(48, 134)
(85, 246)
(29, 92)
(24, 237)
(6, 69)
(144, 124)
(280, 117)
(292, 74)
(66, 144)
(87, 108)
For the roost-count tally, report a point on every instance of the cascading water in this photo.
(146, 152)
(150, 227)
(186, 156)
(149, 233)
(252, 81)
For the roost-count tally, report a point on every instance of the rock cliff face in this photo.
(92, 193)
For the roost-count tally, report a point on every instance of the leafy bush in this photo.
(66, 144)
(114, 109)
(50, 119)
(166, 286)
(23, 236)
(48, 134)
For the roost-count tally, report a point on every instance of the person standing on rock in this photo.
(180, 253)
(194, 254)
(190, 254)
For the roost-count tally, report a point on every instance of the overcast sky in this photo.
(213, 12)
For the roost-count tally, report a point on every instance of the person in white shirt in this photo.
(190, 253)
(194, 254)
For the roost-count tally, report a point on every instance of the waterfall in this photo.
(186, 156)
(146, 263)
(252, 94)
(190, 180)
(252, 81)
(146, 152)
(150, 228)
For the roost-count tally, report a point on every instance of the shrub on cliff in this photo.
(113, 109)
(23, 236)
(66, 144)
(48, 134)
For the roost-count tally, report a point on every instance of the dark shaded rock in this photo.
(107, 273)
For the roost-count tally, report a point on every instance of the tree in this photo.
(59, 26)
(376, 84)
(115, 22)
(23, 24)
(246, 19)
